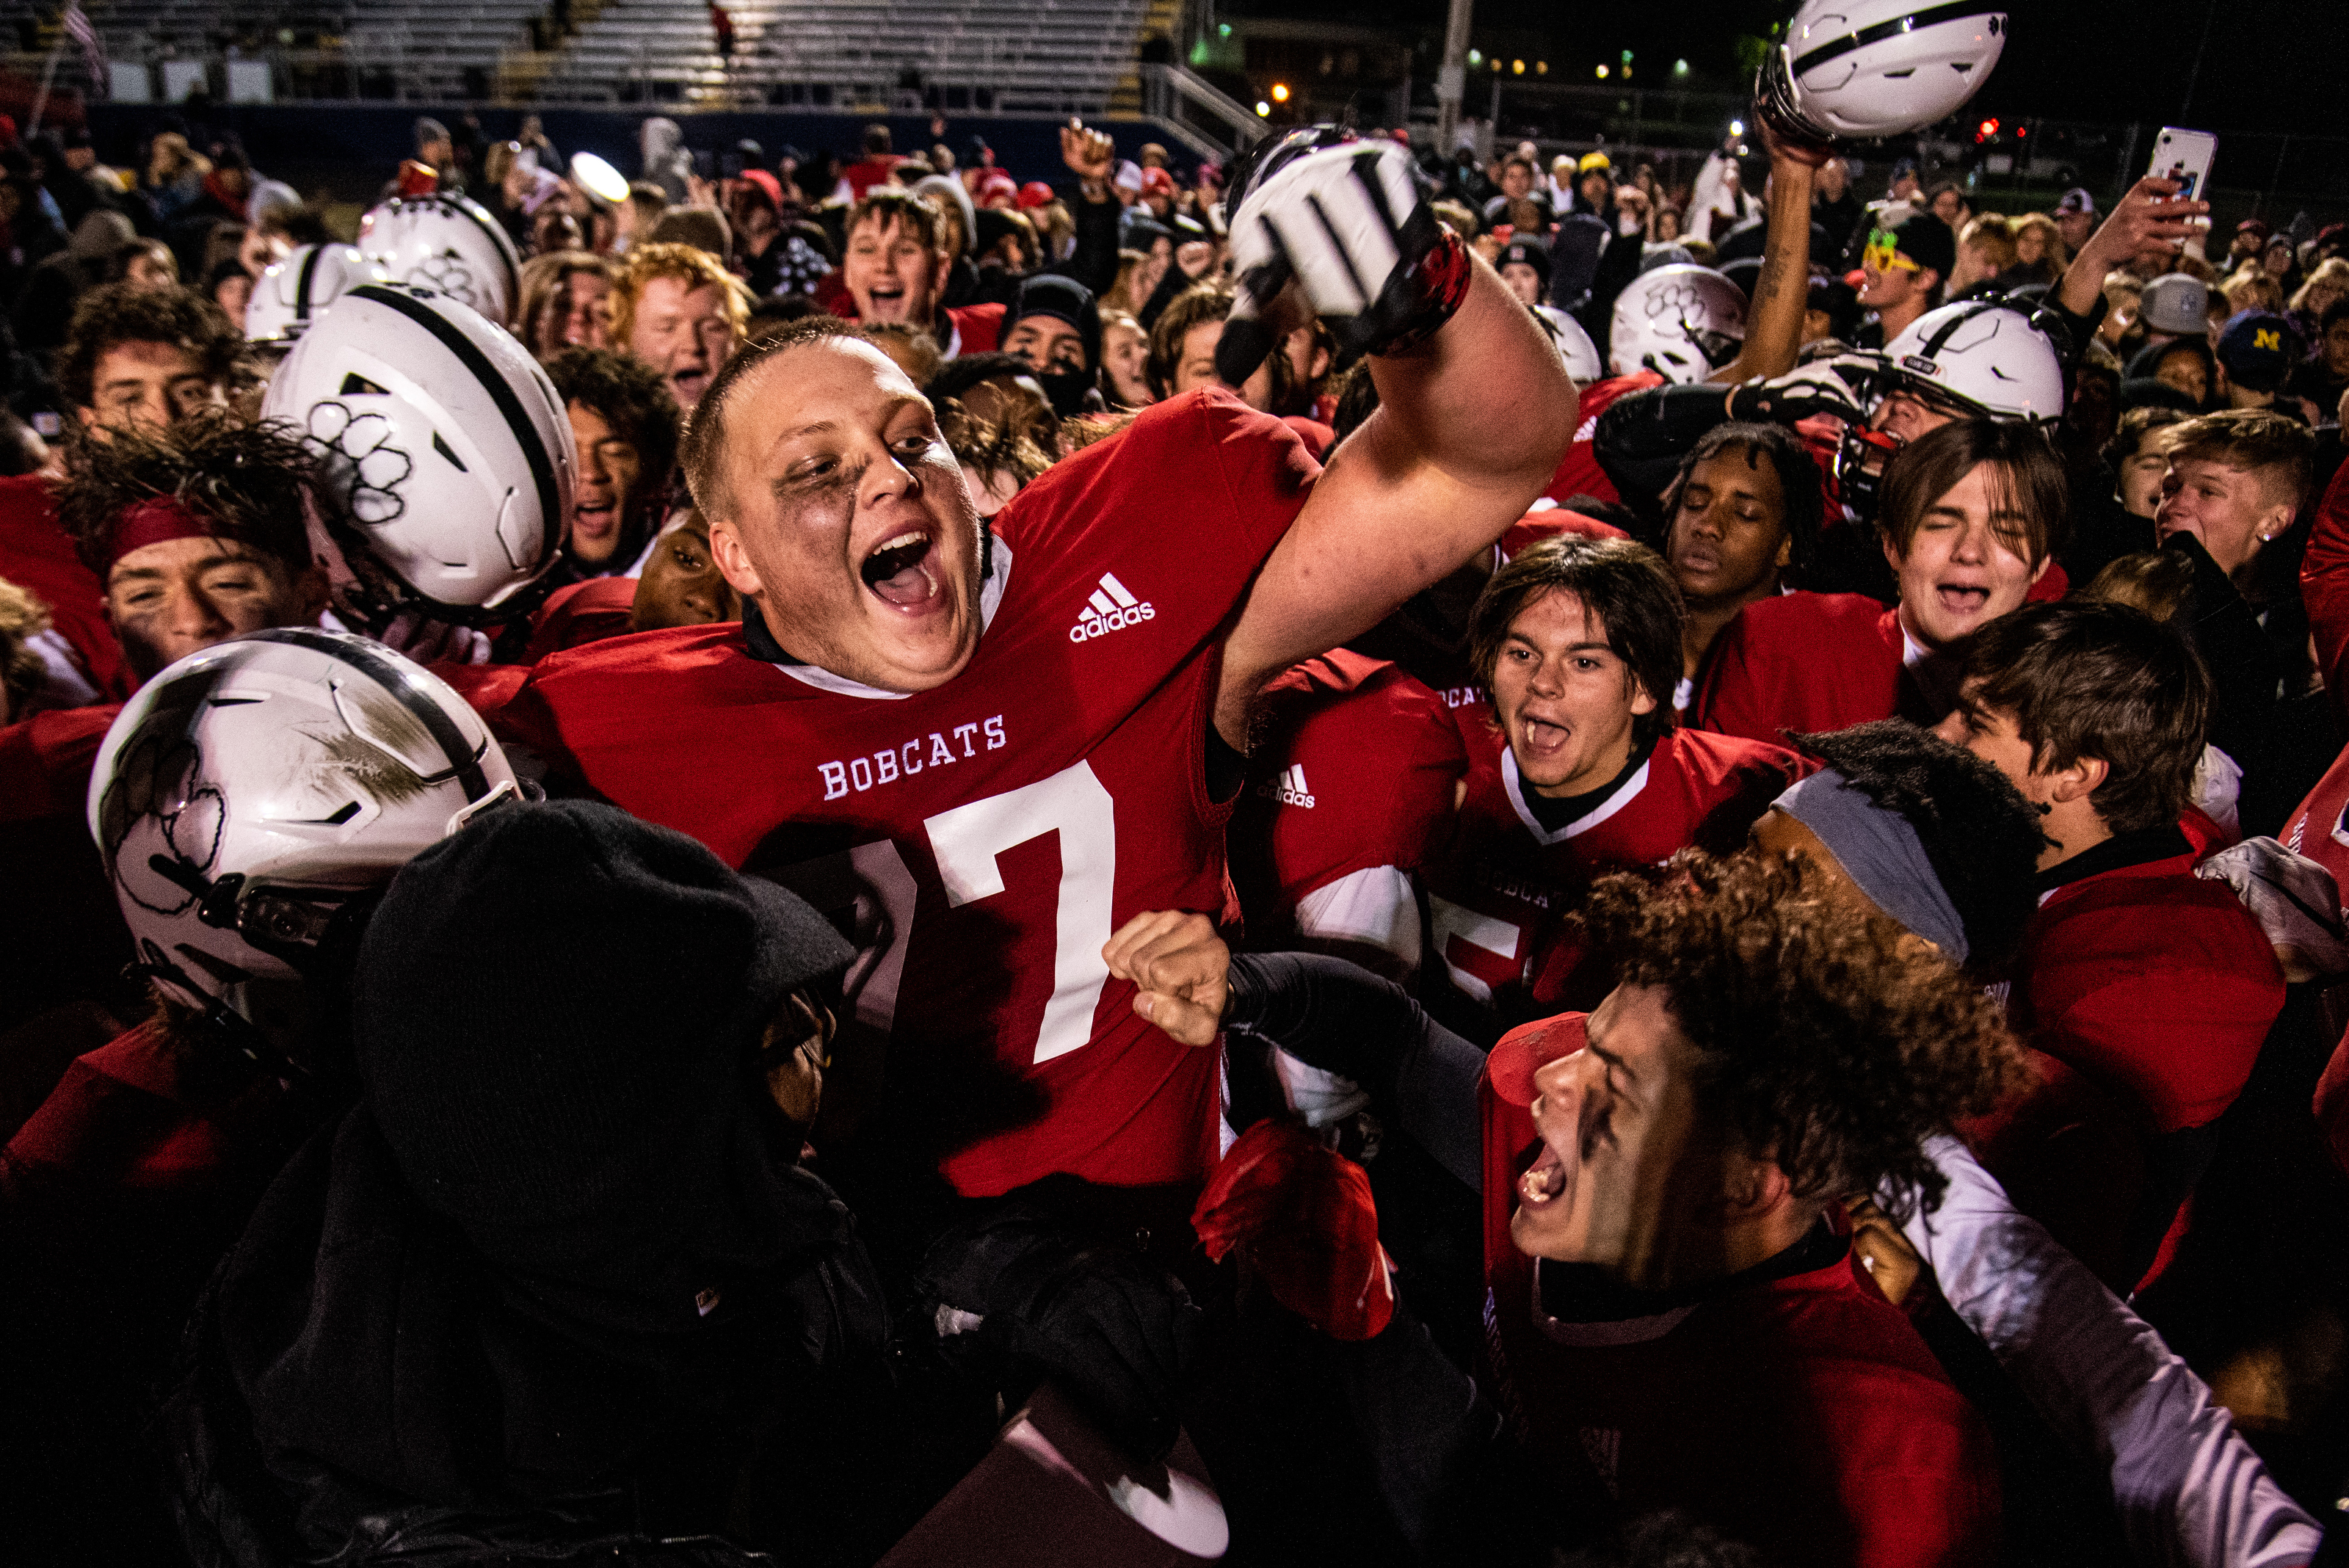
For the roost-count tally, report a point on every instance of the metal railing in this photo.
(1212, 124)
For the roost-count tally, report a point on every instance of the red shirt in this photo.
(993, 831)
(36, 555)
(1579, 473)
(45, 762)
(1802, 1416)
(1500, 894)
(967, 328)
(2318, 829)
(2153, 983)
(580, 613)
(2325, 588)
(1354, 765)
(1807, 663)
(873, 169)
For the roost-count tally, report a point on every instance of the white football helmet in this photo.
(446, 459)
(1574, 345)
(251, 795)
(1681, 321)
(296, 291)
(446, 242)
(1985, 356)
(1864, 68)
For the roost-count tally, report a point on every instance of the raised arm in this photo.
(1782, 291)
(1475, 411)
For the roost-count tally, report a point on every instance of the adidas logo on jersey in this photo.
(1290, 788)
(1111, 609)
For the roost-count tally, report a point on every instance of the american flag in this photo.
(78, 27)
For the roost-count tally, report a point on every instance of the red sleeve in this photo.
(1804, 663)
(1402, 730)
(2325, 588)
(36, 555)
(2052, 587)
(980, 327)
(581, 613)
(45, 762)
(1264, 473)
(2332, 1103)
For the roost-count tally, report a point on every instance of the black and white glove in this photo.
(1351, 223)
(1116, 1333)
(1845, 386)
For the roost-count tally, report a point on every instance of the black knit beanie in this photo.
(552, 1014)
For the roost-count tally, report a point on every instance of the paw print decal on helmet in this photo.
(357, 447)
(448, 272)
(1675, 299)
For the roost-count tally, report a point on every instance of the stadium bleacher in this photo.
(1047, 55)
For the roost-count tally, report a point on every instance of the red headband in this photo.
(154, 521)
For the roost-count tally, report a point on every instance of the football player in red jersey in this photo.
(1670, 1293)
(1739, 516)
(1974, 513)
(1353, 776)
(1672, 1297)
(999, 744)
(1583, 772)
(2149, 980)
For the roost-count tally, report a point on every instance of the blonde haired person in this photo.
(679, 310)
(2328, 283)
(1986, 248)
(565, 303)
(2249, 288)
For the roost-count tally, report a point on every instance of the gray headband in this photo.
(1880, 852)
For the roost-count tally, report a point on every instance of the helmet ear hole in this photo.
(358, 386)
(442, 448)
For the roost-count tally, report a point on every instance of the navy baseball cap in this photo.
(2258, 350)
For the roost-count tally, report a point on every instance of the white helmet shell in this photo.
(447, 242)
(250, 791)
(296, 291)
(1984, 355)
(1862, 68)
(1681, 321)
(446, 459)
(1574, 345)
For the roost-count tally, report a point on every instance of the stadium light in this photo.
(1602, 73)
(1736, 128)
(1280, 92)
(1541, 67)
(1222, 30)
(1516, 67)
(1680, 68)
(1263, 110)
(1475, 56)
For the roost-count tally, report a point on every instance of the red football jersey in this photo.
(1353, 767)
(2320, 828)
(1500, 894)
(1807, 663)
(2324, 589)
(1579, 473)
(1802, 1416)
(36, 555)
(2152, 982)
(993, 832)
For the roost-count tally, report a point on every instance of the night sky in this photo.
(2271, 64)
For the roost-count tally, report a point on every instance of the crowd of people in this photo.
(1523, 867)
